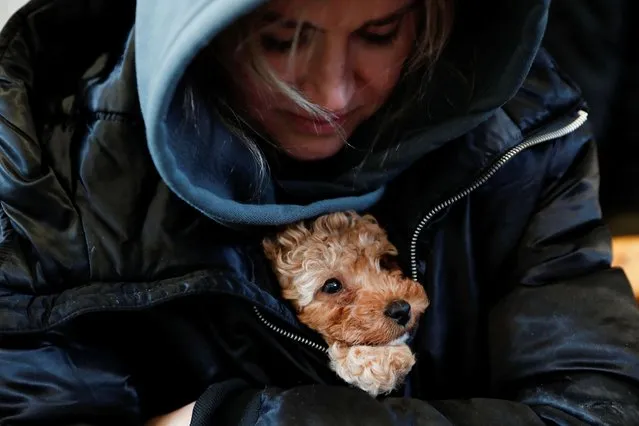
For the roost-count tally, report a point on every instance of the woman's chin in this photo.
(313, 148)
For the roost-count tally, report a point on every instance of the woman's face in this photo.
(348, 59)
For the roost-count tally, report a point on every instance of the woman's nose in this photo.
(329, 81)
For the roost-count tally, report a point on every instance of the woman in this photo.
(140, 170)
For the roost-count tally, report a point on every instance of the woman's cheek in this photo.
(379, 73)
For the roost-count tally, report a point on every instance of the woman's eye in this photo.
(274, 44)
(332, 286)
(380, 39)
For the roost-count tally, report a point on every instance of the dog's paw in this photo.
(374, 369)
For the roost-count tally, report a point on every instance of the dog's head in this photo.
(339, 273)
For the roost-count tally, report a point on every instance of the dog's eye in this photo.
(332, 286)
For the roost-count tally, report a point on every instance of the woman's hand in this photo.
(180, 417)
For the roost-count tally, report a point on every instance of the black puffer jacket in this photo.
(120, 298)
(595, 41)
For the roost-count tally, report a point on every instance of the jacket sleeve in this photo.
(58, 379)
(564, 339)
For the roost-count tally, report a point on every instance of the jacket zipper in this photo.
(581, 118)
(292, 336)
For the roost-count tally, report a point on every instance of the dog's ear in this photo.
(286, 240)
(369, 218)
(336, 222)
(271, 248)
(389, 252)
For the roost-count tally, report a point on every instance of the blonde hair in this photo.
(435, 23)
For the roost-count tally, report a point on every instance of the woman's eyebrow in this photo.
(271, 17)
(391, 18)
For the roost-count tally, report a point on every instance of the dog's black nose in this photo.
(399, 311)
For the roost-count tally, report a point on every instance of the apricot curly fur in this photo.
(354, 250)
(374, 369)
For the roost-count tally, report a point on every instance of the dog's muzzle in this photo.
(398, 311)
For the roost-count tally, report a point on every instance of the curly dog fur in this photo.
(338, 271)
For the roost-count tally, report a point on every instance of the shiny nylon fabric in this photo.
(119, 301)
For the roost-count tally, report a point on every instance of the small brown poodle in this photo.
(339, 273)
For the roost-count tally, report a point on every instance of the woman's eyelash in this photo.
(273, 44)
(380, 39)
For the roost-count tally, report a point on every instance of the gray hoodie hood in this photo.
(491, 50)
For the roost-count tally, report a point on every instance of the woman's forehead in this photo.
(335, 14)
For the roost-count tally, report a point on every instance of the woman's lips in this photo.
(315, 126)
